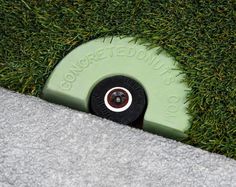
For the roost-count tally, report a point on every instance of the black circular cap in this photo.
(120, 99)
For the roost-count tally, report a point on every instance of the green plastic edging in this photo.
(75, 76)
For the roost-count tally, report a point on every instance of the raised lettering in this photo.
(173, 99)
(70, 77)
(172, 108)
(65, 85)
(100, 54)
(150, 59)
(76, 69)
(131, 52)
(121, 51)
(170, 80)
(84, 63)
(141, 54)
(91, 58)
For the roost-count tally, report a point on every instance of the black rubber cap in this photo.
(131, 116)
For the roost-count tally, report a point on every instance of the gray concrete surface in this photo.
(42, 144)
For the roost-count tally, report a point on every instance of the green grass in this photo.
(201, 35)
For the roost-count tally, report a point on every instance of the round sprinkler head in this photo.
(119, 99)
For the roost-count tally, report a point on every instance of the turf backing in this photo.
(35, 35)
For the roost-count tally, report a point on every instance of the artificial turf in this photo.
(200, 35)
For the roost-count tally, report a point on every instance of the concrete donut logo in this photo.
(104, 53)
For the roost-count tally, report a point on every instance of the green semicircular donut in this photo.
(74, 78)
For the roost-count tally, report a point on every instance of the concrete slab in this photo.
(43, 144)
